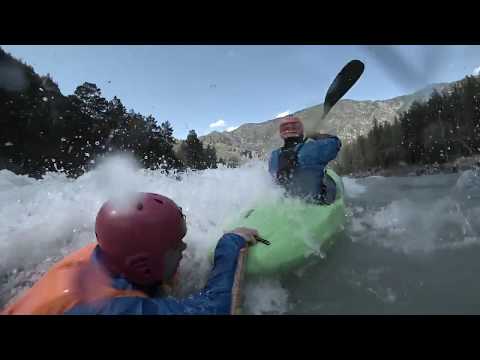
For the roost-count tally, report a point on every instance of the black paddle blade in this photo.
(345, 79)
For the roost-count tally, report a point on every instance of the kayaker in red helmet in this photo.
(139, 249)
(300, 164)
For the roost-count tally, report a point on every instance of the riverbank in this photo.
(459, 164)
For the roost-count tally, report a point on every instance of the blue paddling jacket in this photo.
(215, 298)
(301, 168)
(80, 285)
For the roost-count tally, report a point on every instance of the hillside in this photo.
(348, 119)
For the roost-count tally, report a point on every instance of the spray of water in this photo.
(42, 220)
(412, 225)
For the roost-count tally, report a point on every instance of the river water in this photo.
(411, 245)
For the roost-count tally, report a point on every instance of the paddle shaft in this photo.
(237, 282)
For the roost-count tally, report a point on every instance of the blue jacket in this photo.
(215, 298)
(312, 158)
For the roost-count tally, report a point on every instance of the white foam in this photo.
(266, 296)
(52, 216)
(468, 185)
(353, 188)
(413, 227)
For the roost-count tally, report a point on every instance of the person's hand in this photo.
(250, 235)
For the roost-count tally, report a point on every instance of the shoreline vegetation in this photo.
(402, 170)
(44, 131)
(439, 135)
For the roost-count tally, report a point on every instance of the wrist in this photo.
(234, 237)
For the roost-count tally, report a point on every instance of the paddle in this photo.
(343, 82)
(236, 306)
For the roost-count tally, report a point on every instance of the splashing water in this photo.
(411, 219)
(409, 243)
(265, 296)
(48, 218)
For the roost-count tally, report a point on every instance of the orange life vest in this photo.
(72, 281)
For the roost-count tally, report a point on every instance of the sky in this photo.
(220, 87)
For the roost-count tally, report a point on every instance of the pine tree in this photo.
(192, 150)
(91, 100)
(42, 130)
(210, 157)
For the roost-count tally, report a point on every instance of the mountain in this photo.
(348, 119)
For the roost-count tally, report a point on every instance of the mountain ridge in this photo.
(348, 119)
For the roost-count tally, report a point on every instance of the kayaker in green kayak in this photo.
(299, 166)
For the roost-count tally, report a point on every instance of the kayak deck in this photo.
(296, 230)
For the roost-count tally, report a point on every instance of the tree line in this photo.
(439, 130)
(42, 130)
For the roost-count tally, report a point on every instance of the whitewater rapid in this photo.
(42, 220)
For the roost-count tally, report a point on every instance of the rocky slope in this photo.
(348, 119)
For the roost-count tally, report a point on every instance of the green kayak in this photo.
(296, 230)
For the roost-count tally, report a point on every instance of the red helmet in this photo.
(291, 126)
(136, 239)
